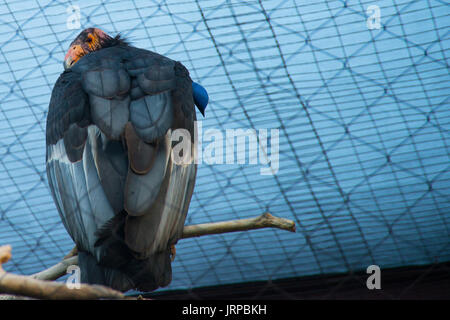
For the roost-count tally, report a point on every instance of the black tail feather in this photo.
(92, 273)
(143, 275)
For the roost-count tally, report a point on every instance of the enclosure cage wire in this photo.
(363, 116)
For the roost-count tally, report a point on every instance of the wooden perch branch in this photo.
(30, 287)
(266, 220)
(56, 271)
(36, 286)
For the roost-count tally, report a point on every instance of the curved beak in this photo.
(72, 56)
(68, 63)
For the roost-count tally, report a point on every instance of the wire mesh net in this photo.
(361, 105)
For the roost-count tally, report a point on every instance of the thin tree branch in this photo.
(266, 220)
(56, 271)
(29, 287)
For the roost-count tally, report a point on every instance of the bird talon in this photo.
(173, 252)
(72, 253)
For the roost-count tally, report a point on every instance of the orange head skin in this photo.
(88, 40)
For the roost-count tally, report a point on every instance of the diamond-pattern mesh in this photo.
(363, 116)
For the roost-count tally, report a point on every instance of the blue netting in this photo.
(363, 116)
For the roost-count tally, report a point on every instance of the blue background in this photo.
(363, 116)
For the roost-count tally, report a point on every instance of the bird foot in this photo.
(173, 252)
(72, 253)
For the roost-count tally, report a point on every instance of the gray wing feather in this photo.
(152, 116)
(141, 190)
(164, 224)
(74, 140)
(104, 83)
(110, 115)
(151, 84)
(112, 166)
(78, 192)
(136, 92)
